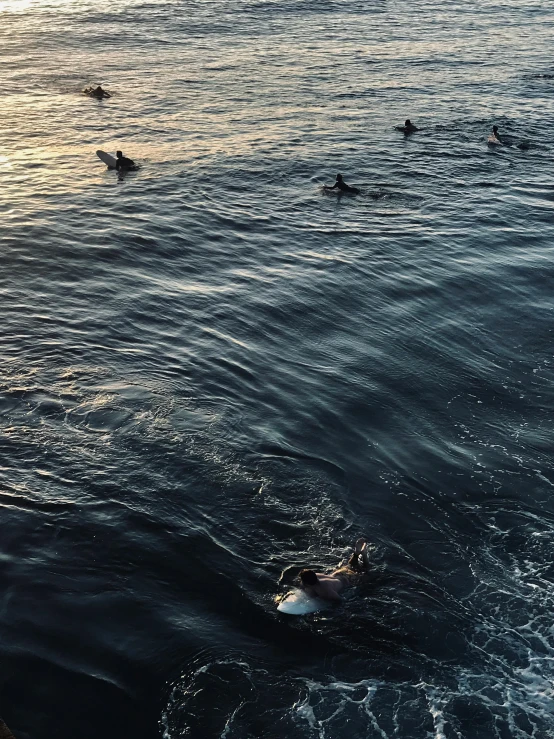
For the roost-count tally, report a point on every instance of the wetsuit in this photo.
(343, 187)
(125, 163)
(97, 93)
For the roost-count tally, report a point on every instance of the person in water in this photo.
(408, 127)
(496, 134)
(124, 164)
(341, 185)
(328, 587)
(97, 92)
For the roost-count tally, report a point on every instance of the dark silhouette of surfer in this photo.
(97, 92)
(341, 185)
(124, 164)
(496, 135)
(408, 127)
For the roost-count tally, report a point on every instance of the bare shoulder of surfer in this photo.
(328, 587)
(341, 185)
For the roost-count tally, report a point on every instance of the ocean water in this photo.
(214, 373)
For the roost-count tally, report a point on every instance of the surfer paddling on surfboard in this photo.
(341, 185)
(97, 92)
(327, 587)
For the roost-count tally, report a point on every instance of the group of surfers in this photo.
(315, 584)
(319, 584)
(124, 164)
(407, 129)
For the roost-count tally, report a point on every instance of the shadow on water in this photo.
(39, 699)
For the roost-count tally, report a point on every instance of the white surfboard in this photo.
(493, 141)
(298, 603)
(106, 158)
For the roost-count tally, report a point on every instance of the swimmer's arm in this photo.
(328, 187)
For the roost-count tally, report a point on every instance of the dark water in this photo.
(213, 372)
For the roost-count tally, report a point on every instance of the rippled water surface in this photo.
(213, 372)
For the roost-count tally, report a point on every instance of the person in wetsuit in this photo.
(327, 587)
(341, 185)
(496, 134)
(124, 164)
(97, 92)
(408, 127)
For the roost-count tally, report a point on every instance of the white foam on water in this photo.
(506, 692)
(436, 709)
(305, 712)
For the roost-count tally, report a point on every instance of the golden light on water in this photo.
(21, 6)
(17, 6)
(5, 162)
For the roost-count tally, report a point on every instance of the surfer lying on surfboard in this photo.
(97, 92)
(342, 186)
(327, 587)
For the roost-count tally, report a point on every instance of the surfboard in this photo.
(106, 158)
(298, 603)
(494, 141)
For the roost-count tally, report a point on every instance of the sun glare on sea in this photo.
(16, 6)
(21, 6)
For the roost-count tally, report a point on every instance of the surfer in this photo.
(327, 587)
(342, 186)
(124, 164)
(496, 135)
(97, 92)
(408, 127)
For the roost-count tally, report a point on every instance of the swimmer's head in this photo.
(407, 122)
(339, 179)
(119, 154)
(308, 577)
(494, 129)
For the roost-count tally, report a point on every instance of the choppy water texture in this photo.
(212, 371)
